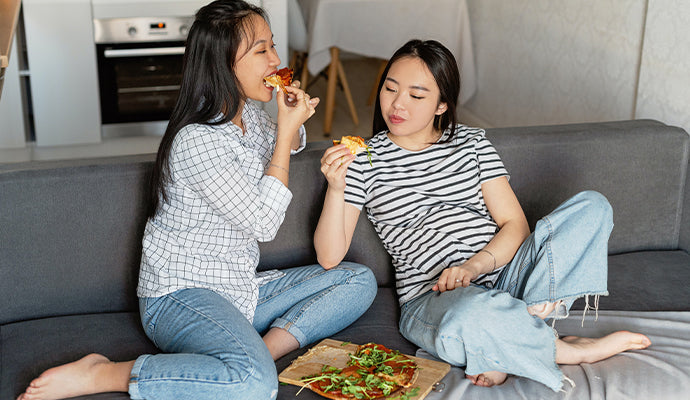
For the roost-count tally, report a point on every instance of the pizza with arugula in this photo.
(373, 372)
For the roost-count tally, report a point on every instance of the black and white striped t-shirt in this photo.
(427, 205)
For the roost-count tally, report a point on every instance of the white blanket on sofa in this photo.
(659, 372)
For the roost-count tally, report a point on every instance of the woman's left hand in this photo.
(455, 277)
(334, 165)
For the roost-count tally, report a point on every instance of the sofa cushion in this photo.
(70, 236)
(646, 275)
(639, 281)
(29, 348)
(638, 165)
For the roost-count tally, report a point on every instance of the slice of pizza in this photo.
(282, 78)
(355, 144)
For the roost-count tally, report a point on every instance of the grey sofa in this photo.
(70, 234)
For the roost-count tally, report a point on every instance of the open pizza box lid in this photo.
(336, 354)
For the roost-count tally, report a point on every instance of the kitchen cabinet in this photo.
(62, 67)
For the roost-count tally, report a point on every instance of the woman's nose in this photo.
(275, 60)
(397, 103)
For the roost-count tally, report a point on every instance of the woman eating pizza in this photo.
(474, 285)
(220, 186)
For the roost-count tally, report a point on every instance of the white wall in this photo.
(665, 71)
(559, 61)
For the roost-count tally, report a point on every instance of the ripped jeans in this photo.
(214, 352)
(490, 329)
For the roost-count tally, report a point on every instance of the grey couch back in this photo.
(640, 166)
(70, 231)
(70, 236)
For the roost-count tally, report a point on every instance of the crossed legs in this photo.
(574, 349)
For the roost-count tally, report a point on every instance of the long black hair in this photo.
(209, 87)
(443, 68)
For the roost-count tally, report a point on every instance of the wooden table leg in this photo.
(330, 90)
(348, 94)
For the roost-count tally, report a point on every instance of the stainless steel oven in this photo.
(139, 72)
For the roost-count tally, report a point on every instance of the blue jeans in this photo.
(490, 329)
(214, 352)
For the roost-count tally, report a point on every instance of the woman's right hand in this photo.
(334, 163)
(295, 108)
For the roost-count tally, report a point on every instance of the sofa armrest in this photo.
(684, 239)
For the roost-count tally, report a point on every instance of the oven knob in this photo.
(132, 31)
(184, 30)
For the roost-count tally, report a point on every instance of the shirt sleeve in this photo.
(208, 165)
(490, 164)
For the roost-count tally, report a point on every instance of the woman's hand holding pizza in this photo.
(294, 115)
(334, 163)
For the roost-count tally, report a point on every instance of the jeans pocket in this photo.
(149, 307)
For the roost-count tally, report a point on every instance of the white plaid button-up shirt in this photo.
(221, 204)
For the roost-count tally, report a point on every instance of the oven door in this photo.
(139, 82)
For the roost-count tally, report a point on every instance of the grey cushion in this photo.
(642, 281)
(29, 348)
(635, 164)
(70, 236)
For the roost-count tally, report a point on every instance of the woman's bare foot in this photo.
(543, 310)
(576, 350)
(91, 374)
(488, 379)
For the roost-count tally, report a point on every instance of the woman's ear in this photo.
(441, 108)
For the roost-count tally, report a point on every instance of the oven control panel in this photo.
(141, 29)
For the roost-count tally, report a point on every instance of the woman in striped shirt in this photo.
(474, 285)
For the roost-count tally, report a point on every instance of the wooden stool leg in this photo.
(330, 90)
(293, 59)
(305, 73)
(374, 89)
(348, 95)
